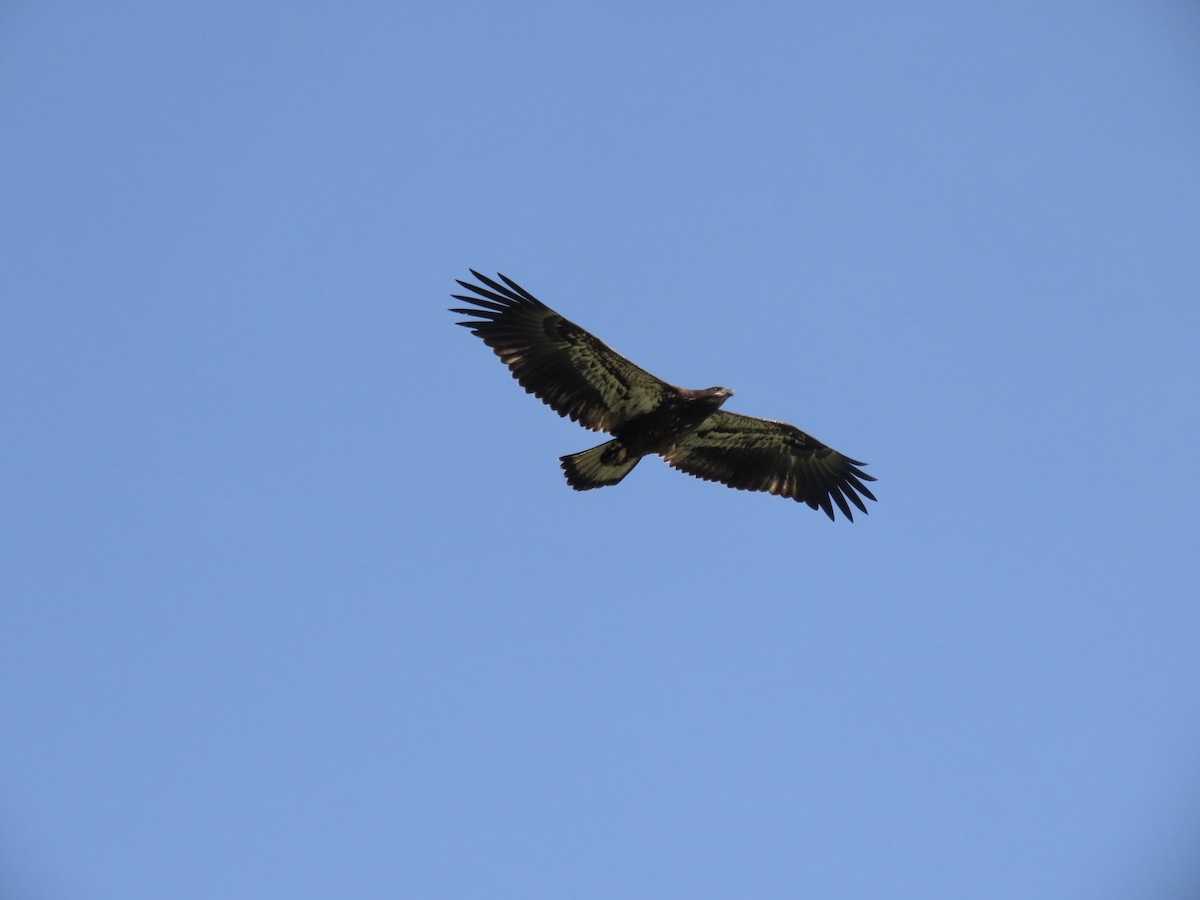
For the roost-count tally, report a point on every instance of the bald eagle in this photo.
(578, 376)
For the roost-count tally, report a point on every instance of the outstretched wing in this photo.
(761, 455)
(570, 370)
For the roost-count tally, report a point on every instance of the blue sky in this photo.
(297, 602)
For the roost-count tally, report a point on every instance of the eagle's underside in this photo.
(580, 377)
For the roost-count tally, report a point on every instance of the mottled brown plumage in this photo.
(579, 376)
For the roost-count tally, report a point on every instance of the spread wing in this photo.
(761, 455)
(570, 370)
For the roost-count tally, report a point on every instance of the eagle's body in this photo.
(658, 430)
(577, 375)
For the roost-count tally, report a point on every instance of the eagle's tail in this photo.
(598, 467)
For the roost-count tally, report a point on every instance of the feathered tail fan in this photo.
(598, 467)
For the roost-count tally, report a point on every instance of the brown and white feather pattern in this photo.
(754, 454)
(570, 370)
(578, 375)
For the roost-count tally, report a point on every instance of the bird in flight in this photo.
(579, 376)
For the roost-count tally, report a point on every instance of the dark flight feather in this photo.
(571, 371)
(579, 376)
(754, 454)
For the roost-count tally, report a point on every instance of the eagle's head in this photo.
(719, 394)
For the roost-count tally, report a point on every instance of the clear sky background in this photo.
(296, 602)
